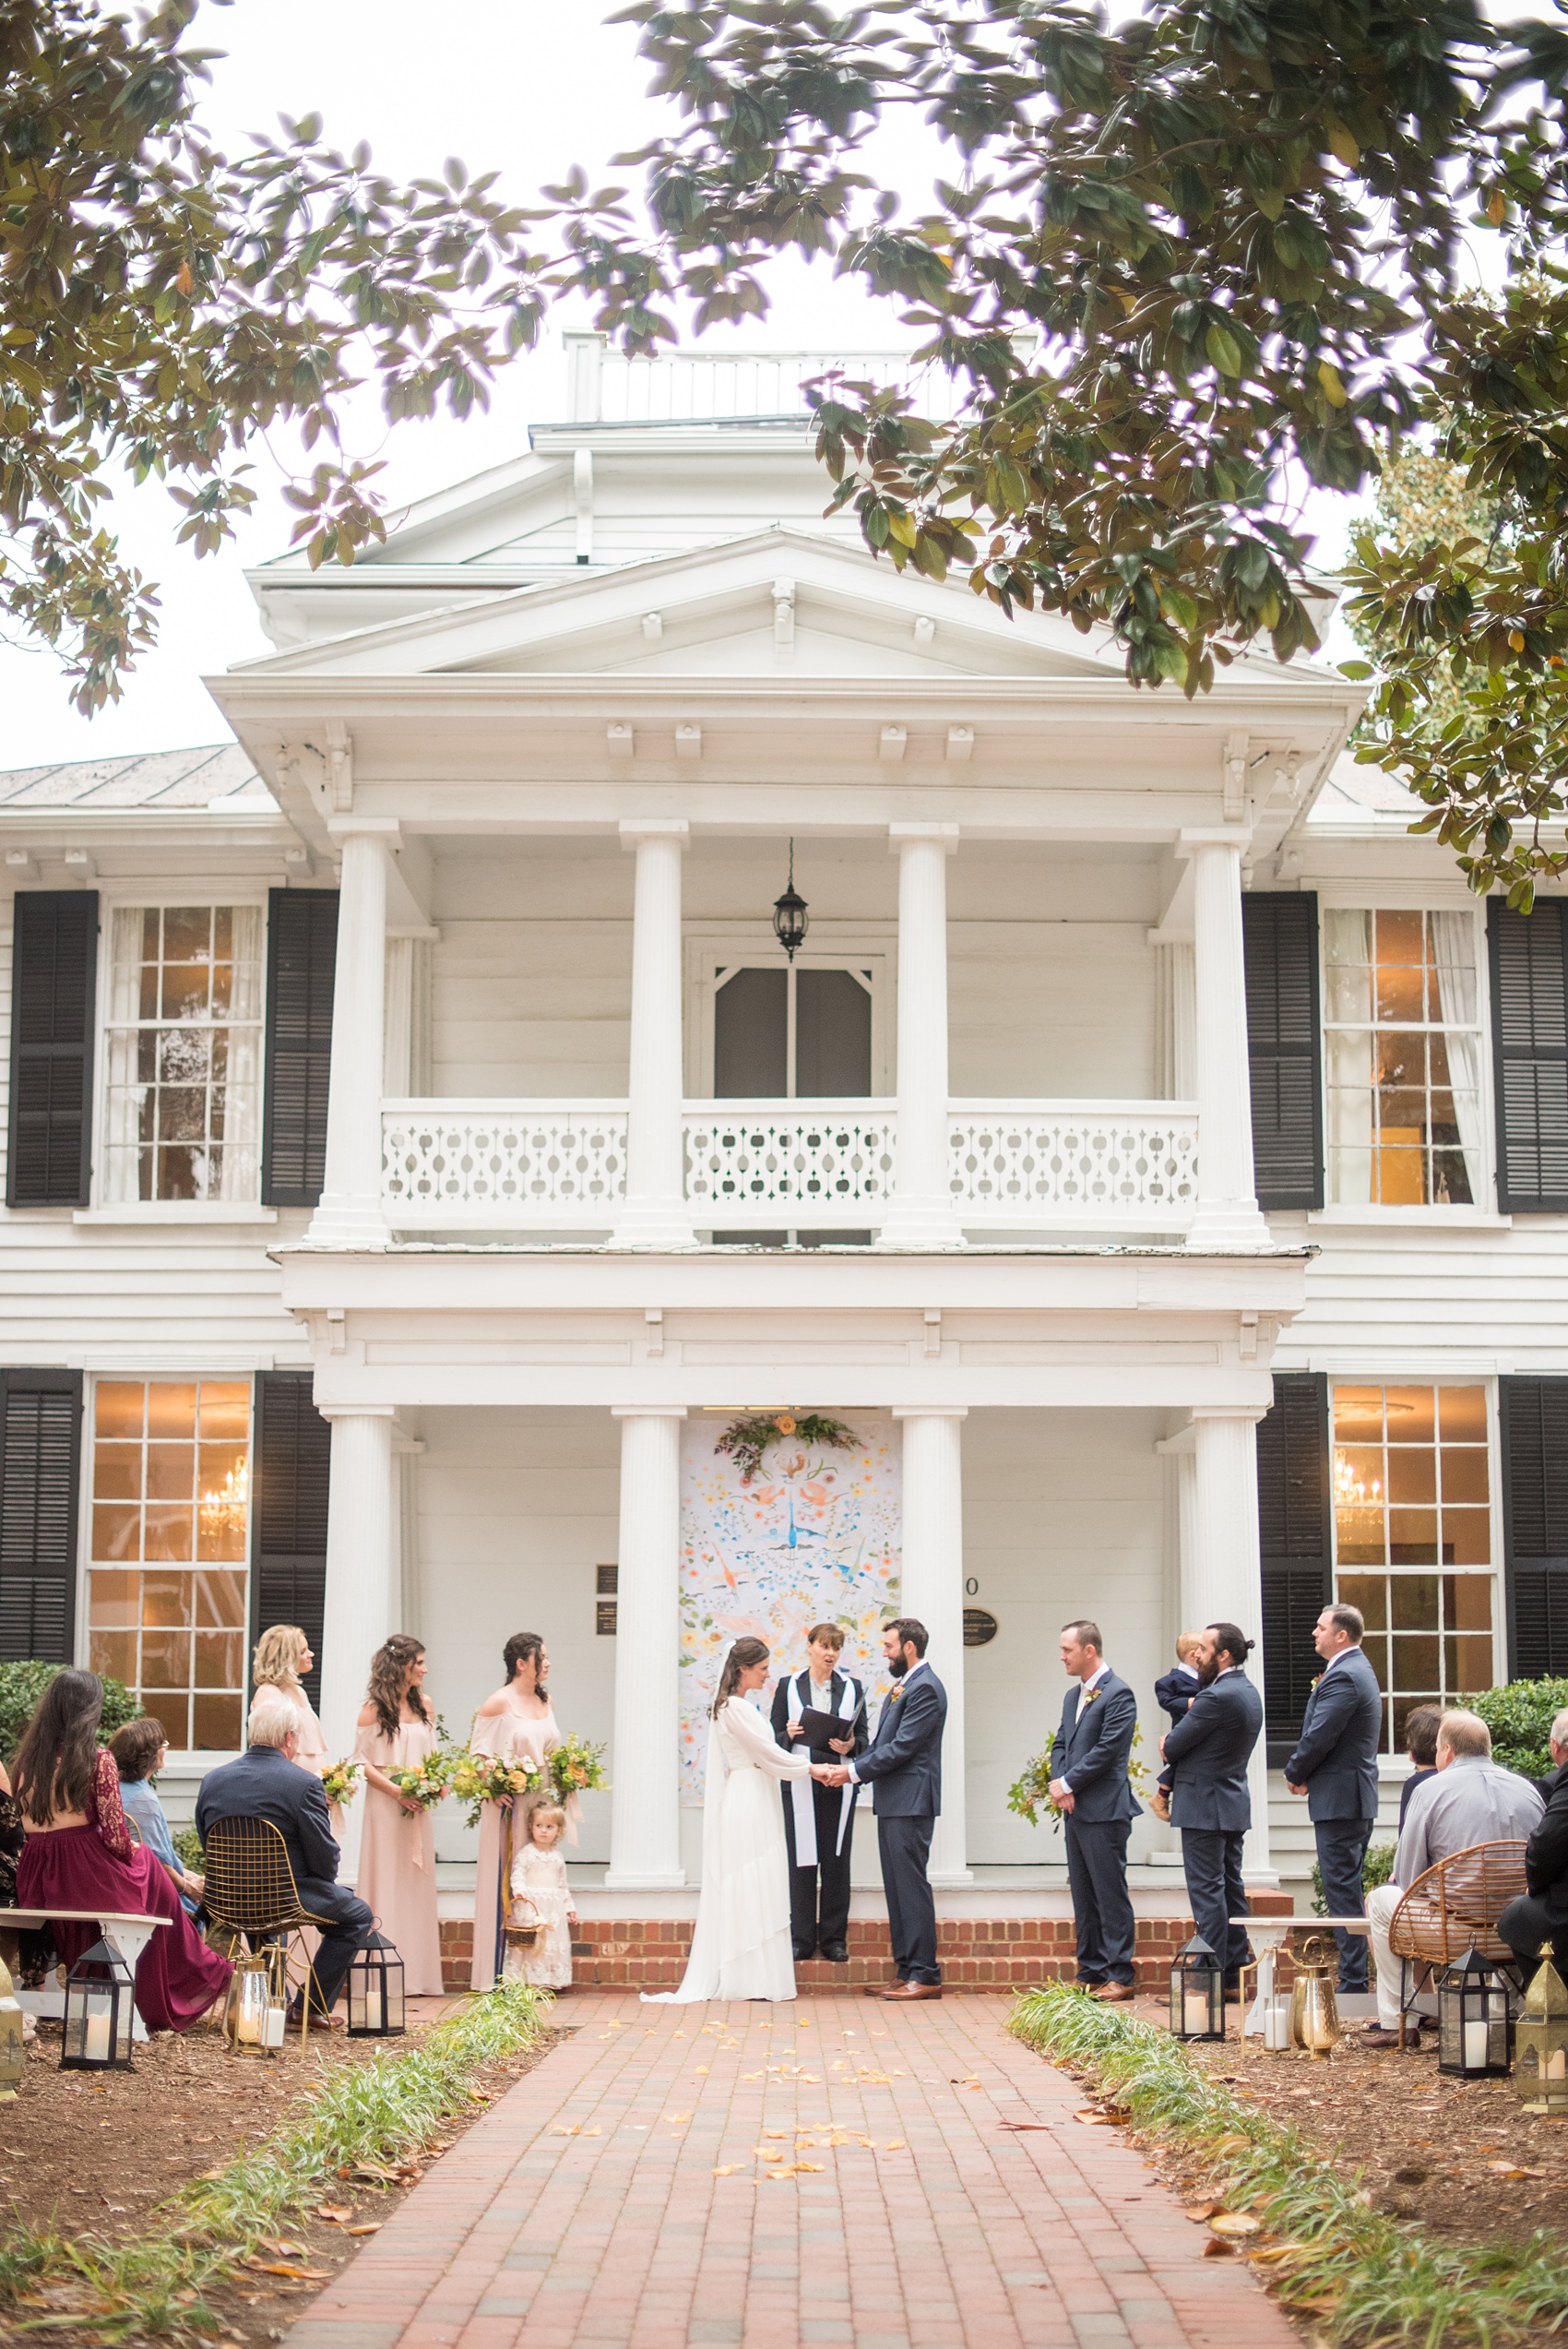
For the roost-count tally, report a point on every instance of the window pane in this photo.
(113, 1653)
(1467, 1536)
(167, 1532)
(114, 1599)
(1465, 1475)
(1403, 1708)
(225, 1410)
(220, 1599)
(1467, 1603)
(1347, 935)
(1411, 1414)
(188, 934)
(219, 1660)
(166, 1600)
(1413, 1602)
(1358, 1414)
(170, 1410)
(1462, 1415)
(1375, 1647)
(217, 1723)
(170, 1472)
(166, 1658)
(1412, 1474)
(172, 1707)
(118, 1407)
(1412, 1536)
(1418, 1660)
(1399, 938)
(116, 1532)
(116, 1471)
(1369, 1592)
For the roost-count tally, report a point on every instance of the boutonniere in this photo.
(1093, 1696)
(895, 1692)
(1317, 1684)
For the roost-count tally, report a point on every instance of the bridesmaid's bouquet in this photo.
(424, 1783)
(341, 1782)
(477, 1779)
(575, 1765)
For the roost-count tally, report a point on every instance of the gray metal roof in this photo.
(214, 775)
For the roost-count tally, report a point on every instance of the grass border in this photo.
(374, 2113)
(1361, 2277)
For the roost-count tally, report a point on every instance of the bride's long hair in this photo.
(741, 1656)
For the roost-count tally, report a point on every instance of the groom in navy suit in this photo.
(904, 1770)
(1091, 1788)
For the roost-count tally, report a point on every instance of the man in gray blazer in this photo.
(1089, 1787)
(1210, 1749)
(1335, 1765)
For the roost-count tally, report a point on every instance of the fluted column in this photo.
(931, 1589)
(645, 1822)
(1222, 1582)
(920, 1213)
(1228, 1214)
(654, 1215)
(351, 1210)
(360, 1551)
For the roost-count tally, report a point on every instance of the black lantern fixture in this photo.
(1540, 2042)
(791, 920)
(100, 2007)
(1472, 2019)
(1197, 1993)
(376, 1990)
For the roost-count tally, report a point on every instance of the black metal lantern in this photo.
(790, 921)
(1472, 2019)
(1197, 1993)
(376, 1990)
(99, 2007)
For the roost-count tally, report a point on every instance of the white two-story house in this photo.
(422, 1149)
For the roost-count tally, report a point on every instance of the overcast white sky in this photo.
(511, 85)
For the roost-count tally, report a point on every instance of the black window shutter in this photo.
(1294, 1521)
(1534, 1524)
(41, 1454)
(302, 954)
(54, 1011)
(293, 1463)
(1284, 1046)
(1528, 954)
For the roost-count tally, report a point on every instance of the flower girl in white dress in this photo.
(538, 1876)
(741, 1947)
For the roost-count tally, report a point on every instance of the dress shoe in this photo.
(803, 1957)
(1113, 1994)
(902, 1990)
(836, 1953)
(1376, 2036)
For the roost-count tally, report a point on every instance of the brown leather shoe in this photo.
(1113, 1994)
(901, 1990)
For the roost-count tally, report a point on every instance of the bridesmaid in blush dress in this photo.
(519, 1719)
(281, 1661)
(397, 1877)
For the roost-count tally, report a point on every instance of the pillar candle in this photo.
(96, 2046)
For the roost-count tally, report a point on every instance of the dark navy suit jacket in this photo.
(1210, 1749)
(903, 1766)
(1335, 1755)
(1174, 1690)
(264, 1784)
(1092, 1749)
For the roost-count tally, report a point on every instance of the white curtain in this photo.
(123, 1094)
(1453, 948)
(241, 1176)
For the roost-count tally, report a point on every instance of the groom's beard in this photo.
(898, 1666)
(1209, 1673)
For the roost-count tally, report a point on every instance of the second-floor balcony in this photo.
(825, 1167)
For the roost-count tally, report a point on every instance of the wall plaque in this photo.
(979, 1627)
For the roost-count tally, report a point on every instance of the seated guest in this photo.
(1421, 1744)
(1469, 1799)
(80, 1856)
(140, 1750)
(1540, 1914)
(265, 1783)
(1175, 1689)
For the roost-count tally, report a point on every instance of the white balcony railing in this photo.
(762, 1165)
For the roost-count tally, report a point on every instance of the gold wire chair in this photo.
(250, 1891)
(1454, 1906)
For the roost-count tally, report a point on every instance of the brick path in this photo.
(614, 2197)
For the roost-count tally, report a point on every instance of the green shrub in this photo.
(1519, 1716)
(187, 1847)
(1376, 1868)
(21, 1686)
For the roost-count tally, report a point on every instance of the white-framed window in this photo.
(168, 1550)
(1403, 1058)
(1413, 1538)
(183, 1052)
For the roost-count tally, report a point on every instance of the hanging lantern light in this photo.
(791, 920)
(100, 2004)
(1197, 1993)
(376, 1990)
(1472, 2019)
(1540, 2042)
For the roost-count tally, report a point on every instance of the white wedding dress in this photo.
(741, 1947)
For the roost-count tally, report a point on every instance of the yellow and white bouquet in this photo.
(575, 1765)
(341, 1782)
(424, 1783)
(477, 1779)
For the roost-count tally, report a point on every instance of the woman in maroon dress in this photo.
(79, 1855)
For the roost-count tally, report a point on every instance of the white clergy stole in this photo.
(803, 1790)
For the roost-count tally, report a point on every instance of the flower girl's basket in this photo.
(519, 1933)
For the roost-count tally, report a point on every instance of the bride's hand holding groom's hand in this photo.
(830, 1773)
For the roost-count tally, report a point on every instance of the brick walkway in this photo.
(615, 2196)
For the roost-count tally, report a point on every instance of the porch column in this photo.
(350, 1211)
(1222, 1581)
(645, 1822)
(653, 1214)
(920, 1213)
(1228, 1214)
(931, 1589)
(360, 1549)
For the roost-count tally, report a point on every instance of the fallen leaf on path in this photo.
(894, 2145)
(727, 2169)
(1199, 2212)
(809, 2165)
(1235, 2223)
(282, 2266)
(368, 2226)
(1217, 2248)
(480, 2096)
(1027, 2124)
(332, 2214)
(1093, 2119)
(1510, 2169)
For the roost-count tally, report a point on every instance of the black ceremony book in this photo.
(816, 1728)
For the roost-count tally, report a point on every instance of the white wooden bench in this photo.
(127, 1932)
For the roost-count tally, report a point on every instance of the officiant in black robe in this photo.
(819, 1880)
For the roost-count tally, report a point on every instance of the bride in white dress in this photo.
(741, 1947)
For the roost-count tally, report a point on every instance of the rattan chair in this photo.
(1453, 1907)
(251, 1893)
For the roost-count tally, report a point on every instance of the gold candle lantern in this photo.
(13, 2049)
(1540, 2042)
(1314, 2016)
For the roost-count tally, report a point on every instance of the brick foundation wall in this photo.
(976, 1953)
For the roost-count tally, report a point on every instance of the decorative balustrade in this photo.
(1074, 1164)
(762, 1165)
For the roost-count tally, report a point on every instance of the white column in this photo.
(920, 1213)
(653, 1214)
(1222, 1582)
(931, 1589)
(350, 1210)
(645, 1821)
(360, 1548)
(1228, 1215)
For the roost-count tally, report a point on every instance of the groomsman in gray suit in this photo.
(1089, 1786)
